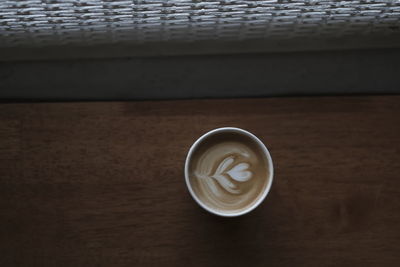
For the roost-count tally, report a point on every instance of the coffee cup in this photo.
(228, 171)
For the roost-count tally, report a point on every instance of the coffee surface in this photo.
(228, 171)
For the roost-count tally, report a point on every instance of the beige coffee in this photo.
(228, 171)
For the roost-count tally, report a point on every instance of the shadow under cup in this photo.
(228, 171)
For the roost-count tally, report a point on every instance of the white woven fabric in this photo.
(86, 22)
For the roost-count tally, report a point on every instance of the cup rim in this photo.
(261, 145)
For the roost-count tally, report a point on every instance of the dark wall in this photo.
(275, 74)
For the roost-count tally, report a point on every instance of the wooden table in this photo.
(101, 184)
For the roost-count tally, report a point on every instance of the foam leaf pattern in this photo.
(240, 172)
(226, 184)
(224, 165)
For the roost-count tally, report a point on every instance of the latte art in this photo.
(226, 175)
(228, 172)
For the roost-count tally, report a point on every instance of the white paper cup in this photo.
(263, 148)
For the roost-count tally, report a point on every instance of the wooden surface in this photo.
(101, 184)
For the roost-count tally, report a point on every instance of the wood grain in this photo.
(101, 184)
